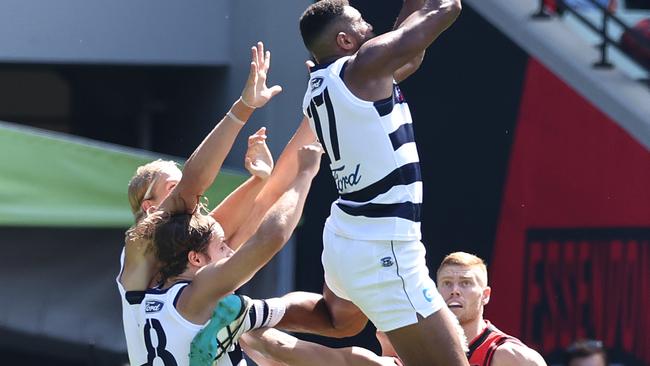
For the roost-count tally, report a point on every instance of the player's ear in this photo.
(194, 258)
(485, 296)
(344, 41)
(146, 206)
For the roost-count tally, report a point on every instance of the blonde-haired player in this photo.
(160, 184)
(463, 283)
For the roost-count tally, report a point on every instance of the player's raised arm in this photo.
(216, 280)
(203, 165)
(234, 211)
(283, 175)
(387, 53)
(409, 7)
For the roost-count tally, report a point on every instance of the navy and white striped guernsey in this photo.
(373, 158)
(156, 333)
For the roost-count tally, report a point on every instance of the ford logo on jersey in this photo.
(316, 83)
(346, 179)
(153, 306)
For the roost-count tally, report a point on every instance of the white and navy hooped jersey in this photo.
(156, 334)
(374, 160)
(164, 336)
(130, 305)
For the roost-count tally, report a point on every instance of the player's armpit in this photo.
(516, 354)
(407, 70)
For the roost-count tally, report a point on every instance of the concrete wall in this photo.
(277, 26)
(116, 31)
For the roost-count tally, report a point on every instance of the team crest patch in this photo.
(316, 83)
(153, 306)
(387, 262)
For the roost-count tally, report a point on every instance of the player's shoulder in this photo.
(514, 353)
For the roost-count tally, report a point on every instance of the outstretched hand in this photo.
(256, 94)
(258, 161)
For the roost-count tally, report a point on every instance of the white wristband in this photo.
(241, 99)
(234, 118)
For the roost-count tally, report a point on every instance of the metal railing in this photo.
(601, 30)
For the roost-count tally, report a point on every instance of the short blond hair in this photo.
(467, 260)
(140, 182)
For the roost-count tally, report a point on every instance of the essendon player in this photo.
(462, 282)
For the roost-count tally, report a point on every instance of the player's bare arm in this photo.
(214, 281)
(370, 71)
(273, 347)
(233, 212)
(284, 173)
(409, 7)
(140, 265)
(515, 354)
(203, 165)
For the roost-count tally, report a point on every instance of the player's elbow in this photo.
(446, 14)
(454, 8)
(436, 21)
(452, 11)
(277, 239)
(275, 232)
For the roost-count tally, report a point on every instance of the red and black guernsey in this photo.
(483, 347)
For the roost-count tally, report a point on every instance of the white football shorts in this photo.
(388, 280)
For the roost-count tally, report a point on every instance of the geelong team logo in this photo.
(153, 306)
(387, 262)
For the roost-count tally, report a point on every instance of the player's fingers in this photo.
(314, 146)
(275, 90)
(260, 53)
(256, 141)
(256, 68)
(267, 60)
(259, 133)
(254, 57)
(252, 72)
(256, 137)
